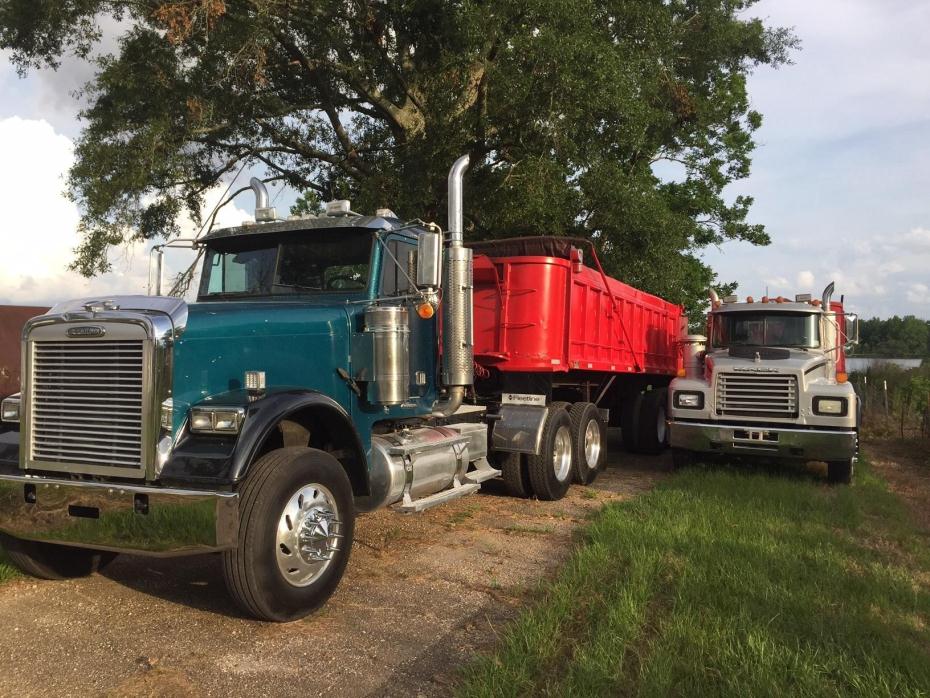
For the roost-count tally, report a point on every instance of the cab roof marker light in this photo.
(339, 207)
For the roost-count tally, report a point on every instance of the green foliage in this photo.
(309, 202)
(895, 337)
(567, 109)
(727, 583)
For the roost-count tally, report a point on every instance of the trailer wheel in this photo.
(653, 421)
(629, 421)
(55, 562)
(840, 472)
(515, 474)
(551, 471)
(589, 436)
(296, 524)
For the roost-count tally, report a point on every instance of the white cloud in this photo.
(805, 280)
(38, 232)
(919, 293)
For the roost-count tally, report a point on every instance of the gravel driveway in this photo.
(422, 594)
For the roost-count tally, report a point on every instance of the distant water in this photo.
(855, 364)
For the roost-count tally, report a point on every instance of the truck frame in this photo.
(328, 368)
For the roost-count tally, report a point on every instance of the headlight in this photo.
(689, 400)
(217, 420)
(831, 406)
(9, 412)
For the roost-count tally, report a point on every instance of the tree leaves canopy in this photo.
(567, 107)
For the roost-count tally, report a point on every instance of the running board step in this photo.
(409, 506)
(482, 472)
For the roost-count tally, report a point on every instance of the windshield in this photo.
(766, 330)
(324, 261)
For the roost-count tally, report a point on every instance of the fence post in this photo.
(885, 388)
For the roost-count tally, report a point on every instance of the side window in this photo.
(394, 281)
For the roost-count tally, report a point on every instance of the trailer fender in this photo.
(519, 428)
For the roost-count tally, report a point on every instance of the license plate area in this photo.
(755, 435)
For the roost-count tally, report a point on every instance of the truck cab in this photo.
(304, 385)
(768, 381)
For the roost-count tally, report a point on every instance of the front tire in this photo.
(840, 472)
(551, 471)
(54, 562)
(682, 458)
(296, 526)
(653, 421)
(589, 436)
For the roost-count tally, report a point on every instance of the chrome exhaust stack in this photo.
(263, 212)
(457, 341)
(827, 297)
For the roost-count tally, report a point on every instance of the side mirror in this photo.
(851, 330)
(429, 259)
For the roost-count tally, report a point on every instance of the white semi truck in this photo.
(769, 381)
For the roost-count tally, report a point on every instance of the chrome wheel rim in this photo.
(309, 535)
(592, 444)
(562, 453)
(661, 426)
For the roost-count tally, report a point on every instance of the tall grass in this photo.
(7, 571)
(730, 583)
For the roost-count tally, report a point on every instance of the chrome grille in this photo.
(87, 402)
(757, 395)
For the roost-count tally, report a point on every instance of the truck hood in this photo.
(809, 365)
(295, 343)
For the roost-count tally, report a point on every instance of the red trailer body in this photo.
(538, 308)
(12, 319)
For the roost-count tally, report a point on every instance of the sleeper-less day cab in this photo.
(769, 381)
(328, 368)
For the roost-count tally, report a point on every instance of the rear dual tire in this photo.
(589, 439)
(551, 471)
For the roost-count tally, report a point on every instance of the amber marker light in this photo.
(681, 373)
(749, 299)
(425, 310)
(841, 377)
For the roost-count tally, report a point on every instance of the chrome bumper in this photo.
(123, 518)
(761, 440)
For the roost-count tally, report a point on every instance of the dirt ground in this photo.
(905, 466)
(422, 594)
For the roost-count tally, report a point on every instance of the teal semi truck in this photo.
(323, 371)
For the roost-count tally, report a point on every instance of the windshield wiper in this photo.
(301, 288)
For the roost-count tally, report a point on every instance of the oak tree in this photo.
(622, 121)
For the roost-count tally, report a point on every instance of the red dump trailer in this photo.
(12, 319)
(552, 329)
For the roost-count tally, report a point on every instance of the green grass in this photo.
(729, 582)
(7, 571)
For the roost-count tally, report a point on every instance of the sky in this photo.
(840, 177)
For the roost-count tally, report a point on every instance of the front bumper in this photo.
(763, 440)
(122, 518)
